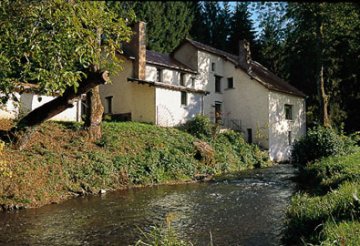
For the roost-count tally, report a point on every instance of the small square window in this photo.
(159, 74)
(288, 112)
(182, 79)
(213, 66)
(217, 83)
(183, 98)
(230, 83)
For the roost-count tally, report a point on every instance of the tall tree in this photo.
(167, 23)
(320, 38)
(197, 31)
(55, 45)
(271, 40)
(222, 27)
(241, 27)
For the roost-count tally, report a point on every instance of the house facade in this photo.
(234, 90)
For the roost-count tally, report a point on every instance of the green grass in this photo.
(60, 161)
(329, 206)
(343, 233)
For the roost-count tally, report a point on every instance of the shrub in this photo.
(320, 142)
(200, 127)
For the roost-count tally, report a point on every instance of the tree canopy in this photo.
(54, 43)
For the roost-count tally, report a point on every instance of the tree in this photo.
(271, 40)
(241, 27)
(321, 37)
(197, 30)
(55, 45)
(167, 23)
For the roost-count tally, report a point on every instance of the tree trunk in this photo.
(324, 100)
(20, 134)
(94, 114)
(320, 83)
(95, 108)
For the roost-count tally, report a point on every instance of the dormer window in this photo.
(182, 79)
(159, 75)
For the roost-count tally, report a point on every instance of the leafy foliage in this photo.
(320, 142)
(200, 127)
(54, 43)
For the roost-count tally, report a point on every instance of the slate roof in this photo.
(257, 71)
(165, 60)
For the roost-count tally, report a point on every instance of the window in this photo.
(249, 133)
(108, 109)
(217, 83)
(159, 74)
(182, 79)
(183, 98)
(192, 82)
(288, 112)
(217, 112)
(230, 83)
(213, 66)
(289, 137)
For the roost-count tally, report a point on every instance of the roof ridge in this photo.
(211, 47)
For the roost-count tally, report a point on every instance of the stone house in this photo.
(234, 90)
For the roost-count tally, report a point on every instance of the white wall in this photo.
(30, 102)
(170, 112)
(10, 109)
(206, 81)
(130, 97)
(248, 102)
(279, 127)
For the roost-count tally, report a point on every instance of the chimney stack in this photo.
(244, 54)
(137, 46)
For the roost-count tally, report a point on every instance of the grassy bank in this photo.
(327, 212)
(59, 161)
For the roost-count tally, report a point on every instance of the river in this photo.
(243, 209)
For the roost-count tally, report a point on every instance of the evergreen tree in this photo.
(222, 27)
(211, 10)
(241, 27)
(271, 39)
(197, 31)
(168, 23)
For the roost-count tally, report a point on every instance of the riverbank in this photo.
(60, 163)
(327, 211)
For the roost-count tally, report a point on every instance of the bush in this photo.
(320, 142)
(331, 171)
(200, 127)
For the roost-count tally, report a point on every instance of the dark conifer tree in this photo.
(241, 27)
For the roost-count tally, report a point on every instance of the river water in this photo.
(246, 209)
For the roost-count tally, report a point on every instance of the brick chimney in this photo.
(137, 46)
(244, 54)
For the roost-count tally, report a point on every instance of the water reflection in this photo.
(247, 209)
